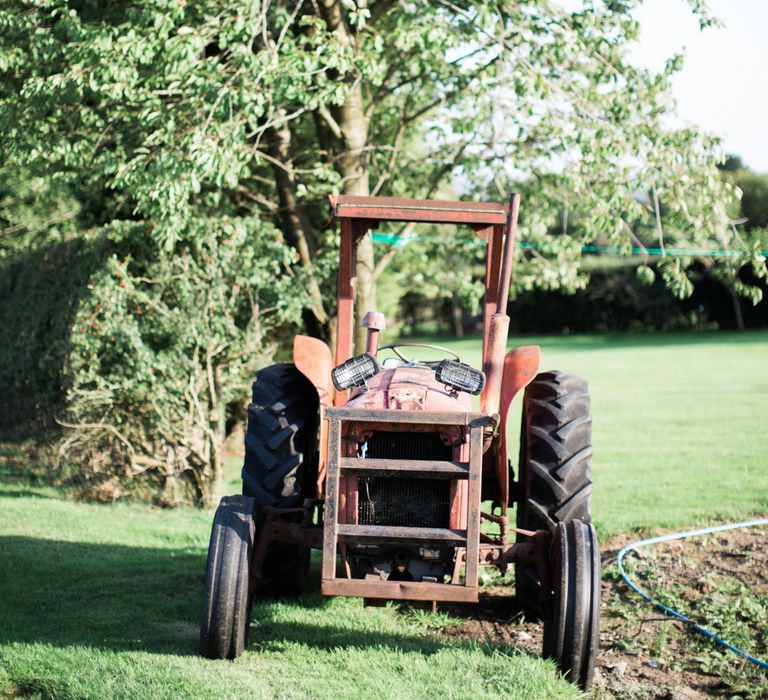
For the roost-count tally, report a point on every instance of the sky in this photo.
(723, 86)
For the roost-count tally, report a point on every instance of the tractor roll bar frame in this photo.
(495, 224)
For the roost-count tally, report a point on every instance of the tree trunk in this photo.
(354, 171)
(353, 165)
(296, 226)
(736, 302)
(457, 315)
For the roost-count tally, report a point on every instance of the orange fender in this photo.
(313, 359)
(521, 365)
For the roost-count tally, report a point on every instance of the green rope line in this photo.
(396, 240)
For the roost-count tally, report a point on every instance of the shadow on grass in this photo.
(272, 634)
(106, 596)
(148, 599)
(26, 493)
(267, 635)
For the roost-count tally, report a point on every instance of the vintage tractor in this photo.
(383, 465)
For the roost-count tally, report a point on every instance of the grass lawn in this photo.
(680, 424)
(103, 601)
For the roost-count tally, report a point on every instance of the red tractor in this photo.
(383, 466)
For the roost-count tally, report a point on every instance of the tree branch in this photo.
(332, 124)
(296, 224)
(449, 95)
(659, 229)
(385, 259)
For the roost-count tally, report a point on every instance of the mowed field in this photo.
(103, 601)
(680, 423)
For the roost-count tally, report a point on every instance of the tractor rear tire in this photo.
(571, 636)
(227, 599)
(555, 479)
(279, 468)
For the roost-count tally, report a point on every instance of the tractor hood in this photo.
(411, 388)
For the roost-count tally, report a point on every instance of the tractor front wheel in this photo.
(571, 636)
(227, 598)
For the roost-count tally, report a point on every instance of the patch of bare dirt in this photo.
(644, 653)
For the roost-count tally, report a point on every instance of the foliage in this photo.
(172, 122)
(157, 358)
(143, 341)
(139, 355)
(549, 104)
(614, 301)
(436, 276)
(170, 102)
(38, 306)
(617, 296)
(752, 212)
(754, 198)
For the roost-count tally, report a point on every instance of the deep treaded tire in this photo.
(279, 468)
(556, 452)
(555, 480)
(227, 599)
(572, 634)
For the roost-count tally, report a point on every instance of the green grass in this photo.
(679, 423)
(103, 601)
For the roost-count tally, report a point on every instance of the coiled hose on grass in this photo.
(634, 546)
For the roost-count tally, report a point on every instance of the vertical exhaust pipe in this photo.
(499, 326)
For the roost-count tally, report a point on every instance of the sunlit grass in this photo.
(680, 424)
(103, 601)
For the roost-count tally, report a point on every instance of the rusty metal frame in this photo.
(431, 211)
(496, 225)
(272, 526)
(489, 550)
(358, 215)
(336, 534)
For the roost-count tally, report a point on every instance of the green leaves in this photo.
(674, 276)
(180, 135)
(165, 102)
(645, 274)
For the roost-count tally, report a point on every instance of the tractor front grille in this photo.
(384, 445)
(405, 501)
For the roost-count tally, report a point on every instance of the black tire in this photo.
(555, 471)
(571, 636)
(279, 468)
(227, 599)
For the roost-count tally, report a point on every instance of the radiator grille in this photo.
(384, 445)
(405, 501)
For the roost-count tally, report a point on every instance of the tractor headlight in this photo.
(460, 376)
(355, 371)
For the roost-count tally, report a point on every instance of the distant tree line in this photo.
(617, 294)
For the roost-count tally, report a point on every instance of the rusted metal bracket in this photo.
(274, 528)
(337, 533)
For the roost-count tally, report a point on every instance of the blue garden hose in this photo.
(673, 613)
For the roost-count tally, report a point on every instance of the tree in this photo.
(188, 121)
(186, 282)
(750, 218)
(754, 199)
